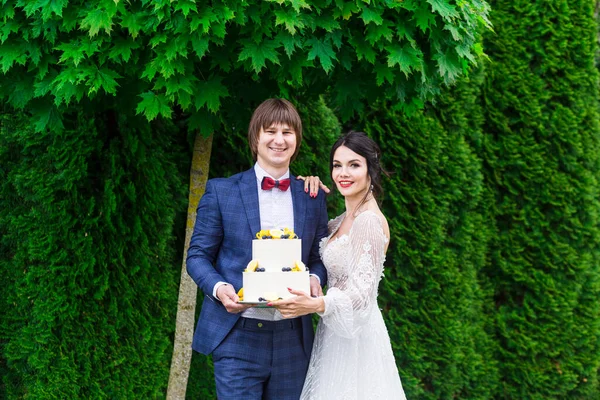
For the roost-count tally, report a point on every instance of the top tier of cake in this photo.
(274, 254)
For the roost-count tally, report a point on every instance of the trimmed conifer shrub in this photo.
(541, 164)
(433, 303)
(86, 219)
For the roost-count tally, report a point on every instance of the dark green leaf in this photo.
(322, 50)
(406, 57)
(209, 94)
(258, 53)
(425, 18)
(152, 105)
(371, 15)
(444, 8)
(96, 20)
(290, 19)
(383, 73)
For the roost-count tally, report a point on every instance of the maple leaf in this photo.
(424, 18)
(171, 67)
(122, 49)
(178, 83)
(152, 105)
(288, 41)
(43, 86)
(7, 28)
(290, 19)
(185, 6)
(52, 6)
(363, 49)
(336, 38)
(45, 116)
(71, 51)
(184, 99)
(345, 9)
(96, 20)
(445, 9)
(209, 93)
(448, 66)
(21, 91)
(464, 51)
(103, 78)
(199, 44)
(294, 69)
(296, 4)
(383, 73)
(176, 46)
(65, 85)
(131, 21)
(203, 121)
(327, 23)
(35, 53)
(348, 93)
(376, 32)
(258, 53)
(205, 17)
(157, 39)
(406, 57)
(368, 15)
(323, 50)
(11, 52)
(454, 31)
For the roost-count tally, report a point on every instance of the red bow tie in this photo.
(270, 183)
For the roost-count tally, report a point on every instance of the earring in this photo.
(371, 188)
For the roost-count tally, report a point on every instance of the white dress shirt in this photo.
(276, 211)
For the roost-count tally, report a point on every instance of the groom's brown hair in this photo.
(274, 111)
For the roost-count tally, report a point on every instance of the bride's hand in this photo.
(312, 184)
(299, 305)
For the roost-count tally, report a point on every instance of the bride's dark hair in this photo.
(364, 146)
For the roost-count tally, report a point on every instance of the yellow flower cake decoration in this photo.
(284, 233)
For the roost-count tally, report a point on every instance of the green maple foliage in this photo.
(152, 57)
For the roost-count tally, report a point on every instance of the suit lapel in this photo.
(249, 195)
(299, 201)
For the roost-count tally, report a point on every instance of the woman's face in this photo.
(350, 172)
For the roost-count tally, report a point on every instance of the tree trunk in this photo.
(186, 305)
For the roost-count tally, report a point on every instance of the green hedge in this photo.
(541, 166)
(90, 279)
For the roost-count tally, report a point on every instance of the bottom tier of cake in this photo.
(273, 285)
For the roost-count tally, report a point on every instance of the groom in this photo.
(256, 353)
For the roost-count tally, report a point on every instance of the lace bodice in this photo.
(354, 264)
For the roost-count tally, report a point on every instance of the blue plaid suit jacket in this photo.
(221, 247)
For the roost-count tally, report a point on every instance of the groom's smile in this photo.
(276, 146)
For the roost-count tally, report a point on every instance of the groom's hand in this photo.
(315, 287)
(227, 295)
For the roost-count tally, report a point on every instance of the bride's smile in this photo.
(350, 173)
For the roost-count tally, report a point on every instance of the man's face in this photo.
(276, 146)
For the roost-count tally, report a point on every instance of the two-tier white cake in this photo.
(276, 265)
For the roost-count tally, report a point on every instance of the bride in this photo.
(352, 356)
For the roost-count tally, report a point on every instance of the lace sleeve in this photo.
(348, 304)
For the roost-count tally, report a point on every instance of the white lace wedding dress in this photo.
(352, 356)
